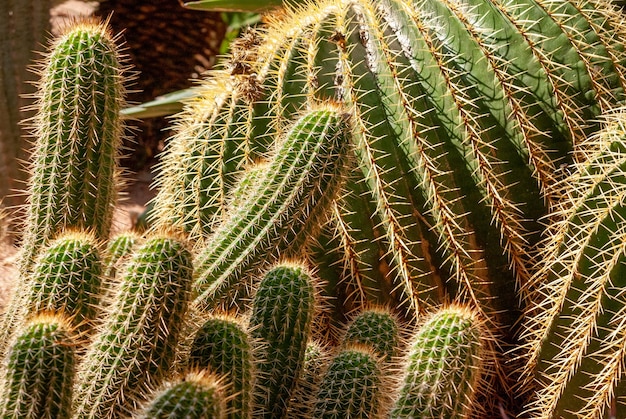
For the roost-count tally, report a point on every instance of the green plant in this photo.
(282, 314)
(446, 366)
(575, 332)
(136, 343)
(316, 360)
(224, 346)
(299, 183)
(199, 396)
(463, 115)
(37, 378)
(376, 327)
(78, 132)
(118, 251)
(352, 386)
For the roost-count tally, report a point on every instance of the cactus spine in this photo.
(282, 313)
(446, 364)
(119, 249)
(199, 396)
(463, 113)
(575, 334)
(352, 386)
(316, 360)
(300, 181)
(38, 375)
(138, 337)
(223, 345)
(78, 133)
(376, 327)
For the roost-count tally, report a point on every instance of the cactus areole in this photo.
(463, 115)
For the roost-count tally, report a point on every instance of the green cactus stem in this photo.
(78, 133)
(574, 335)
(377, 327)
(66, 277)
(199, 396)
(445, 368)
(223, 345)
(38, 374)
(119, 249)
(352, 386)
(316, 360)
(136, 343)
(282, 313)
(300, 182)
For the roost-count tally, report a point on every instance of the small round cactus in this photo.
(37, 378)
(282, 313)
(377, 327)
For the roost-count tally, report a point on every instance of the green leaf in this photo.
(168, 104)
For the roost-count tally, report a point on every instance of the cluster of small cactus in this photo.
(432, 173)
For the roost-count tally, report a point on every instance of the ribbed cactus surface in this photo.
(352, 386)
(282, 313)
(301, 179)
(223, 345)
(137, 340)
(199, 395)
(38, 374)
(444, 368)
(464, 114)
(78, 132)
(376, 327)
(575, 332)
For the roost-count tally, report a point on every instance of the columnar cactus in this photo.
(38, 374)
(282, 313)
(352, 387)
(66, 277)
(463, 115)
(299, 182)
(78, 132)
(377, 327)
(445, 367)
(118, 251)
(316, 360)
(137, 340)
(575, 332)
(199, 395)
(224, 346)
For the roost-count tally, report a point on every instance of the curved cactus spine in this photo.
(118, 251)
(137, 340)
(200, 395)
(376, 327)
(352, 386)
(38, 375)
(299, 183)
(463, 113)
(282, 313)
(66, 277)
(78, 132)
(316, 360)
(445, 367)
(574, 334)
(223, 345)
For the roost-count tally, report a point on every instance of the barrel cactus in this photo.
(465, 116)
(575, 332)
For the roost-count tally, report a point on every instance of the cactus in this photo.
(119, 250)
(316, 359)
(137, 340)
(78, 132)
(445, 368)
(223, 346)
(282, 313)
(376, 327)
(66, 278)
(300, 181)
(38, 373)
(352, 387)
(575, 337)
(464, 113)
(200, 396)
